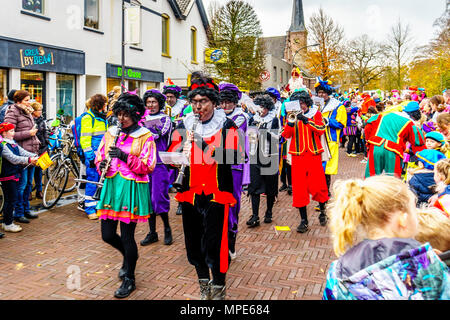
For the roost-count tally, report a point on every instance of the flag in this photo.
(213, 56)
(44, 161)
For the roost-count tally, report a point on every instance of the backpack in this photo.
(3, 110)
(76, 130)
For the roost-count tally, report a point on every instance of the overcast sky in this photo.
(373, 17)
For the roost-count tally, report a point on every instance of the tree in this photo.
(236, 30)
(329, 35)
(398, 48)
(363, 59)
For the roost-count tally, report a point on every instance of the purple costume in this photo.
(240, 172)
(160, 126)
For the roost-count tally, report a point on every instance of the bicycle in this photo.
(65, 169)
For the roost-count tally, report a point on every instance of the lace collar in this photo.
(331, 105)
(236, 112)
(267, 119)
(312, 112)
(209, 128)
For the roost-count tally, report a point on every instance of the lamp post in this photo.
(295, 54)
(323, 62)
(123, 46)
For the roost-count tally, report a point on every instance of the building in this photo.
(63, 52)
(285, 52)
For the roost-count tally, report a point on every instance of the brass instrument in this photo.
(292, 116)
(168, 110)
(178, 184)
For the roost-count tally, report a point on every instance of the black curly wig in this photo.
(130, 103)
(172, 91)
(302, 96)
(157, 95)
(328, 91)
(228, 95)
(264, 101)
(204, 86)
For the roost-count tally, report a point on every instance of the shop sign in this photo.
(31, 57)
(130, 73)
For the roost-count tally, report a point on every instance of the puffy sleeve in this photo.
(145, 162)
(339, 119)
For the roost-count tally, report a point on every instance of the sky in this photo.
(357, 17)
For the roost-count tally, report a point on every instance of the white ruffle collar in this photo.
(236, 112)
(331, 105)
(267, 119)
(136, 134)
(210, 128)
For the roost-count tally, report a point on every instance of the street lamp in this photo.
(295, 54)
(316, 66)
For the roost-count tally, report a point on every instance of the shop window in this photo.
(3, 86)
(91, 14)
(194, 44)
(36, 6)
(165, 35)
(65, 95)
(133, 85)
(34, 83)
(111, 83)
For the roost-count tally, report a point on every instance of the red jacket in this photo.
(305, 137)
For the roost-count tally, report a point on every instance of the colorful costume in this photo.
(93, 128)
(308, 177)
(125, 194)
(386, 136)
(388, 269)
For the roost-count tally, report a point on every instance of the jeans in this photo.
(38, 179)
(23, 193)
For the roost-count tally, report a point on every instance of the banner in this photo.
(214, 56)
(133, 25)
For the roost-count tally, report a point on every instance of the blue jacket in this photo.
(421, 184)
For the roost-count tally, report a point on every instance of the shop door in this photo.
(36, 89)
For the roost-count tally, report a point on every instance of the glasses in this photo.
(202, 102)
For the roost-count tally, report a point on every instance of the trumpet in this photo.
(292, 116)
(168, 110)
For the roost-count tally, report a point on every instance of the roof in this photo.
(275, 46)
(298, 18)
(182, 8)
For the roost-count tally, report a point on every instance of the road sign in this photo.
(264, 76)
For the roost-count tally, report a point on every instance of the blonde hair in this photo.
(36, 106)
(443, 120)
(88, 103)
(443, 168)
(434, 228)
(365, 204)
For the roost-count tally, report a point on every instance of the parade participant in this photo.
(177, 106)
(160, 126)
(264, 158)
(229, 97)
(335, 119)
(128, 160)
(388, 263)
(14, 159)
(351, 130)
(276, 97)
(308, 177)
(386, 137)
(20, 115)
(206, 193)
(93, 127)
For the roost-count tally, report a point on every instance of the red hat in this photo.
(6, 126)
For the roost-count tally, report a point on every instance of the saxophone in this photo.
(178, 184)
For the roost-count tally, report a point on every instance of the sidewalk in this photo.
(61, 256)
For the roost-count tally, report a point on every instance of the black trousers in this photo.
(203, 226)
(353, 142)
(10, 195)
(125, 243)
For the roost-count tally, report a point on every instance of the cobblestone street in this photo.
(61, 256)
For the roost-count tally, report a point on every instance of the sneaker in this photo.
(253, 222)
(363, 161)
(151, 237)
(217, 292)
(205, 289)
(31, 215)
(11, 227)
(303, 227)
(81, 206)
(92, 216)
(349, 154)
(22, 220)
(323, 219)
(127, 287)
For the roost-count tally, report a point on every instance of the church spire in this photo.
(298, 19)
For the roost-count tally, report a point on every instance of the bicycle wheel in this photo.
(55, 187)
(56, 162)
(73, 174)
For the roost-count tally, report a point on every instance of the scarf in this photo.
(26, 109)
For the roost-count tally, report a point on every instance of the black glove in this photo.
(92, 163)
(302, 118)
(103, 164)
(115, 152)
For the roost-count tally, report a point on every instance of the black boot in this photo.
(323, 215)
(253, 222)
(127, 287)
(268, 216)
(303, 227)
(289, 190)
(151, 237)
(123, 271)
(283, 188)
(168, 236)
(179, 210)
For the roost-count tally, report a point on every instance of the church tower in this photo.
(296, 35)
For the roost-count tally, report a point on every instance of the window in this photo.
(36, 6)
(281, 75)
(275, 74)
(194, 44)
(3, 86)
(65, 95)
(165, 35)
(34, 83)
(287, 75)
(91, 14)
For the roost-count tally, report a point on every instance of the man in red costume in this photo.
(308, 176)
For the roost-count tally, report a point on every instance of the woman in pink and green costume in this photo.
(125, 195)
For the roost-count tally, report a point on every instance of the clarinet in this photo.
(178, 184)
(100, 183)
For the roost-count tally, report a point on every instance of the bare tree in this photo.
(363, 57)
(322, 29)
(398, 47)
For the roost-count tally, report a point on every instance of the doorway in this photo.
(34, 83)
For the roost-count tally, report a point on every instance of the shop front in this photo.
(136, 78)
(49, 73)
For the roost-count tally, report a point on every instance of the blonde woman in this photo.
(388, 264)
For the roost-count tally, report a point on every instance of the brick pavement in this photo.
(46, 260)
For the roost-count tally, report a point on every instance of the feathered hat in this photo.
(324, 85)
